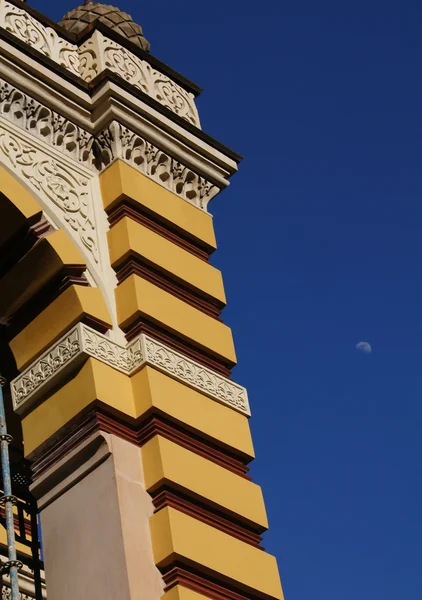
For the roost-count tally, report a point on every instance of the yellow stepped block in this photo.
(152, 389)
(95, 381)
(65, 311)
(175, 534)
(137, 296)
(33, 271)
(121, 180)
(165, 461)
(179, 592)
(129, 237)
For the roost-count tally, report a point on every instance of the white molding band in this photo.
(82, 342)
(94, 56)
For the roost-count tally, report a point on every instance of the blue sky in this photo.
(320, 245)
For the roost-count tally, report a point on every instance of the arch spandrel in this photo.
(36, 178)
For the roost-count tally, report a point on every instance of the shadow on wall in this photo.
(8, 370)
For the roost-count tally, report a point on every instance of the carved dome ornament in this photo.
(120, 22)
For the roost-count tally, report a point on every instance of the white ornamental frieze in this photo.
(94, 152)
(140, 74)
(82, 342)
(44, 39)
(161, 167)
(46, 124)
(94, 56)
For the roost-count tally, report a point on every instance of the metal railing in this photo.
(19, 516)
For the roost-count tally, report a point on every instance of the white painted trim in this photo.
(82, 342)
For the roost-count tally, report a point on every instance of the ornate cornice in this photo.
(161, 167)
(95, 55)
(82, 342)
(97, 151)
(99, 53)
(46, 124)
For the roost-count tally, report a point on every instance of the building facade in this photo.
(131, 439)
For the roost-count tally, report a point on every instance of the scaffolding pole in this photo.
(13, 565)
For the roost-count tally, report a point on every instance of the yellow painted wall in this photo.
(175, 533)
(66, 310)
(120, 179)
(129, 236)
(18, 194)
(179, 592)
(30, 274)
(95, 381)
(165, 460)
(148, 388)
(16, 205)
(136, 295)
(154, 389)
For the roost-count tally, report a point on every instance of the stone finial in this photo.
(122, 23)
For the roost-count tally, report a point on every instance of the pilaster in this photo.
(137, 434)
(94, 499)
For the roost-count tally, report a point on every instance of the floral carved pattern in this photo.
(56, 182)
(46, 367)
(44, 39)
(97, 152)
(113, 354)
(90, 59)
(46, 124)
(161, 167)
(6, 594)
(196, 375)
(82, 341)
(26, 584)
(143, 76)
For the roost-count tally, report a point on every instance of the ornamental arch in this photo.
(67, 194)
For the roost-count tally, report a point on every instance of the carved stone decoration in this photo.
(100, 53)
(109, 352)
(35, 118)
(195, 375)
(97, 152)
(82, 342)
(95, 55)
(174, 97)
(44, 39)
(6, 594)
(161, 167)
(48, 366)
(89, 65)
(26, 584)
(124, 63)
(60, 185)
(143, 76)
